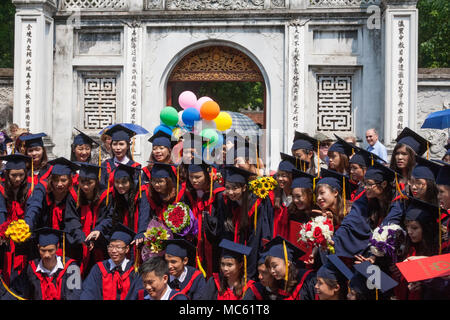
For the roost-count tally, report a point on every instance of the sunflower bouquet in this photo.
(261, 186)
(18, 231)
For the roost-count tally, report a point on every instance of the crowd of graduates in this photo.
(88, 218)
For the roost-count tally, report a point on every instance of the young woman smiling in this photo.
(161, 152)
(39, 169)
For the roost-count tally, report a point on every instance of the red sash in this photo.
(191, 282)
(48, 289)
(113, 282)
(111, 172)
(229, 294)
(43, 177)
(280, 221)
(295, 295)
(255, 291)
(147, 173)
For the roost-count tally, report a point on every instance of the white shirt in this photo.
(165, 296)
(181, 277)
(124, 160)
(123, 265)
(50, 273)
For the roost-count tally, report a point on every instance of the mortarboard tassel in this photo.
(136, 259)
(286, 275)
(376, 294)
(344, 195)
(371, 157)
(256, 214)
(304, 166)
(107, 193)
(178, 180)
(64, 250)
(353, 151)
(440, 232)
(245, 269)
(211, 189)
(99, 162)
(199, 265)
(32, 176)
(314, 189)
(140, 186)
(318, 158)
(78, 196)
(10, 292)
(428, 150)
(397, 185)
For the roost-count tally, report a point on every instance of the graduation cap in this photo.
(83, 138)
(335, 180)
(363, 272)
(120, 133)
(421, 211)
(33, 140)
(303, 141)
(288, 162)
(161, 138)
(425, 169)
(379, 173)
(413, 140)
(443, 177)
(16, 161)
(122, 232)
(364, 158)
(262, 258)
(162, 170)
(234, 250)
(335, 269)
(197, 165)
(302, 179)
(179, 248)
(278, 246)
(62, 166)
(48, 236)
(125, 170)
(342, 146)
(236, 175)
(89, 171)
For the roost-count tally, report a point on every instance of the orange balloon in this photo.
(209, 110)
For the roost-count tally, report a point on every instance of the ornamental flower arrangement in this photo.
(156, 233)
(317, 233)
(18, 231)
(386, 240)
(180, 219)
(3, 237)
(219, 179)
(261, 186)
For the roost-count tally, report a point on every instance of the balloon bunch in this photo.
(201, 116)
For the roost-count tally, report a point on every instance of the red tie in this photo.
(49, 289)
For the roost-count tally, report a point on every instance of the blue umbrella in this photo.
(437, 120)
(132, 126)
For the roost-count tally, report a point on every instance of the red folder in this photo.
(426, 268)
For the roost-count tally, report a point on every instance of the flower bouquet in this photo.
(3, 238)
(156, 233)
(18, 231)
(219, 178)
(317, 233)
(261, 186)
(180, 219)
(386, 240)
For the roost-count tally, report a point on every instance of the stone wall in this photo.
(433, 94)
(6, 97)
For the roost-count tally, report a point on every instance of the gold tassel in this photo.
(353, 151)
(100, 162)
(107, 193)
(286, 275)
(371, 157)
(10, 292)
(200, 265)
(428, 150)
(397, 185)
(256, 214)
(376, 294)
(344, 195)
(245, 269)
(78, 196)
(318, 158)
(440, 232)
(136, 259)
(314, 189)
(32, 175)
(178, 180)
(140, 186)
(211, 184)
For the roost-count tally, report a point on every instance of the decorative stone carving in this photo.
(214, 4)
(93, 4)
(216, 63)
(334, 103)
(342, 3)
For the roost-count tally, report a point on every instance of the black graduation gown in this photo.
(209, 234)
(211, 290)
(193, 284)
(258, 292)
(31, 284)
(100, 284)
(83, 220)
(254, 237)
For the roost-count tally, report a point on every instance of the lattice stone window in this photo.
(334, 102)
(99, 100)
(94, 4)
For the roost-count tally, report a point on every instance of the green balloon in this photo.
(169, 116)
(211, 135)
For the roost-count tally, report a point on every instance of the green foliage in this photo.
(434, 33)
(7, 12)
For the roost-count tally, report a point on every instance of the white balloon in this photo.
(180, 119)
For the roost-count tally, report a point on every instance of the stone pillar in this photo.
(400, 33)
(33, 65)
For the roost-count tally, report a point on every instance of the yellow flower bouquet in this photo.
(261, 186)
(18, 231)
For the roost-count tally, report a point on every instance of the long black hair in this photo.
(124, 202)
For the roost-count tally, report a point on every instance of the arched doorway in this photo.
(225, 74)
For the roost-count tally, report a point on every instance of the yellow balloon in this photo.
(223, 121)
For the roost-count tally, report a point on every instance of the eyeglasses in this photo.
(118, 248)
(370, 185)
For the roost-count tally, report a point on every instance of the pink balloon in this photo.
(187, 99)
(201, 101)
